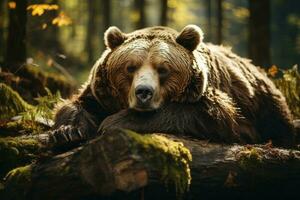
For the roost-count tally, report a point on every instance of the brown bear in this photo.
(158, 80)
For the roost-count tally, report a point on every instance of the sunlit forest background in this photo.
(67, 35)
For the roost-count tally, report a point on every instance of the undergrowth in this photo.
(14, 108)
(288, 82)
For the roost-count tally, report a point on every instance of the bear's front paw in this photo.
(124, 119)
(129, 119)
(65, 135)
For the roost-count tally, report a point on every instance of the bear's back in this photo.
(259, 102)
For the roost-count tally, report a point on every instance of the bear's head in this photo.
(149, 67)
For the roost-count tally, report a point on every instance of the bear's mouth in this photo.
(143, 107)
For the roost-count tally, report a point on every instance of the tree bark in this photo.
(106, 8)
(115, 166)
(209, 20)
(106, 18)
(16, 41)
(91, 30)
(259, 32)
(3, 4)
(219, 21)
(164, 13)
(140, 6)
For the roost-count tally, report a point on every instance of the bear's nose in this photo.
(144, 93)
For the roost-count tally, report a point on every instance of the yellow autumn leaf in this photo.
(39, 9)
(273, 70)
(53, 7)
(62, 20)
(12, 5)
(44, 26)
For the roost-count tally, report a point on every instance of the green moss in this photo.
(20, 175)
(170, 156)
(250, 158)
(18, 125)
(15, 152)
(15, 128)
(11, 103)
(17, 182)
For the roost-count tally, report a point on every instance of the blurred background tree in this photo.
(67, 36)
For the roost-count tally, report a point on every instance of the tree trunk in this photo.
(219, 21)
(164, 13)
(259, 32)
(124, 165)
(209, 20)
(106, 8)
(16, 41)
(53, 34)
(140, 6)
(91, 30)
(3, 5)
(106, 18)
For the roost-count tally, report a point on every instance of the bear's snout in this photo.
(144, 94)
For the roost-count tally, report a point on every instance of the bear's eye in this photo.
(131, 68)
(162, 71)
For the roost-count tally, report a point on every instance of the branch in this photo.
(124, 162)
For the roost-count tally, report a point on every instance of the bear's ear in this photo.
(113, 37)
(190, 37)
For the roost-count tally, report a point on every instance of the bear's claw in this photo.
(65, 135)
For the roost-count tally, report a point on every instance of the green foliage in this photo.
(44, 107)
(42, 112)
(289, 85)
(11, 103)
(170, 156)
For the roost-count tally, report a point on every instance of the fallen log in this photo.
(126, 165)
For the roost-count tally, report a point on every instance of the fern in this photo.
(43, 111)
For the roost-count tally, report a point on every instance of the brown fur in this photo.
(210, 93)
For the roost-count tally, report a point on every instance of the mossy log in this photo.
(125, 165)
(11, 103)
(16, 151)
